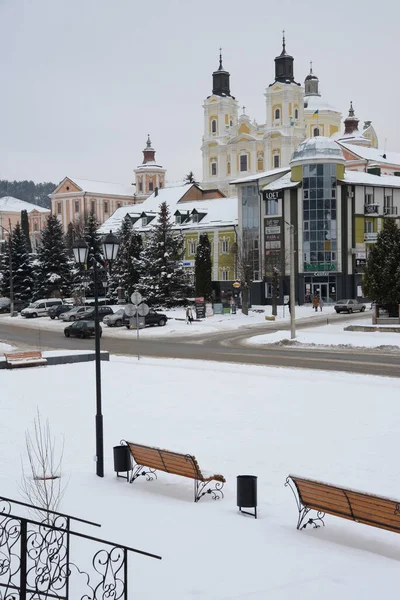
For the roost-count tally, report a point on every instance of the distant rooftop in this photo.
(15, 205)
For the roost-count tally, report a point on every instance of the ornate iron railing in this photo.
(46, 559)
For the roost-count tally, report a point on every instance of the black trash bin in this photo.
(247, 493)
(122, 461)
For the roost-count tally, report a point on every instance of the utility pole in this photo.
(292, 286)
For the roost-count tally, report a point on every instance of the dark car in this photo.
(5, 305)
(81, 329)
(153, 318)
(103, 312)
(56, 311)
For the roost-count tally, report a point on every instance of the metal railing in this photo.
(38, 559)
(390, 210)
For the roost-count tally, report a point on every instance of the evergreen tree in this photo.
(25, 228)
(4, 268)
(54, 267)
(203, 273)
(164, 281)
(70, 238)
(126, 267)
(95, 254)
(381, 282)
(189, 178)
(21, 268)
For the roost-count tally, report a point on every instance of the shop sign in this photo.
(188, 263)
(200, 308)
(272, 233)
(360, 262)
(319, 267)
(272, 195)
(361, 254)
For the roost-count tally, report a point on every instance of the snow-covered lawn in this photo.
(177, 325)
(5, 348)
(332, 335)
(236, 420)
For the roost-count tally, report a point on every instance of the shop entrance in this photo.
(324, 287)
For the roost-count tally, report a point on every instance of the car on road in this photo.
(76, 313)
(56, 311)
(103, 312)
(349, 306)
(81, 329)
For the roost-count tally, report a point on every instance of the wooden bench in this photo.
(24, 359)
(149, 459)
(346, 503)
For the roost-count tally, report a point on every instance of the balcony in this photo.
(390, 210)
(371, 209)
(370, 237)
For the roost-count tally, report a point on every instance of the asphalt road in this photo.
(223, 347)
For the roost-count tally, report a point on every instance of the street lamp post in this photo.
(81, 250)
(292, 286)
(10, 268)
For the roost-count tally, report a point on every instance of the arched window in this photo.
(260, 161)
(213, 168)
(296, 113)
(276, 161)
(214, 126)
(228, 167)
(277, 113)
(316, 132)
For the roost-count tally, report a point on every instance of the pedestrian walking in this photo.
(315, 302)
(189, 315)
(321, 304)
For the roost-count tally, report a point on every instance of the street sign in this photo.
(136, 298)
(143, 310)
(236, 284)
(130, 310)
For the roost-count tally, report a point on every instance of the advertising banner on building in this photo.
(200, 308)
(272, 232)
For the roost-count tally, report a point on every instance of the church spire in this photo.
(311, 83)
(284, 64)
(351, 122)
(149, 154)
(221, 84)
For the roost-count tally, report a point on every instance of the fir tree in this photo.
(203, 273)
(21, 268)
(381, 282)
(95, 254)
(164, 281)
(70, 238)
(189, 178)
(4, 268)
(54, 265)
(126, 267)
(25, 228)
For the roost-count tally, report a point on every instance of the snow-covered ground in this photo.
(5, 348)
(236, 420)
(332, 335)
(177, 326)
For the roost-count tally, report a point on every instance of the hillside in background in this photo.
(36, 193)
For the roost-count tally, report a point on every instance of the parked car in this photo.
(116, 319)
(75, 313)
(153, 318)
(349, 306)
(40, 307)
(103, 312)
(81, 329)
(57, 311)
(5, 304)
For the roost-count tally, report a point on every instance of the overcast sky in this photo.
(84, 81)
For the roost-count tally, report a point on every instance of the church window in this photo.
(276, 161)
(277, 113)
(59, 208)
(228, 167)
(140, 186)
(92, 206)
(214, 126)
(106, 206)
(213, 168)
(260, 162)
(77, 206)
(296, 113)
(151, 186)
(243, 162)
(316, 132)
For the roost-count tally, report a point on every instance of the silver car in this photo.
(117, 319)
(75, 314)
(349, 306)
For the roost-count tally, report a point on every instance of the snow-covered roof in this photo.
(149, 166)
(218, 211)
(360, 178)
(317, 148)
(281, 183)
(313, 103)
(10, 204)
(372, 154)
(258, 176)
(103, 187)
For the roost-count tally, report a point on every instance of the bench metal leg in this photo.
(139, 470)
(304, 510)
(200, 489)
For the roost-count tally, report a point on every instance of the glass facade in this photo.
(319, 217)
(250, 206)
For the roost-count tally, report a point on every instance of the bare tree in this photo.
(243, 256)
(41, 483)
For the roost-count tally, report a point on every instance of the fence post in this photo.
(23, 567)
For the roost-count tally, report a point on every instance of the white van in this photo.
(40, 307)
